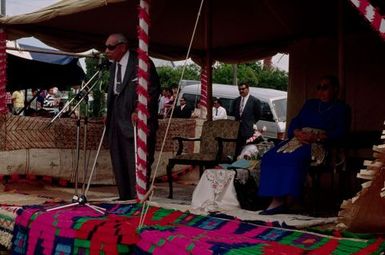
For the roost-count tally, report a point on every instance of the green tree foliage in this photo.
(99, 103)
(253, 73)
(171, 75)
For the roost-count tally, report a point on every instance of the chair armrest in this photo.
(186, 138)
(180, 142)
(220, 141)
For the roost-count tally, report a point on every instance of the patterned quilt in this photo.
(81, 230)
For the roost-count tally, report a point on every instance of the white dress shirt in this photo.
(123, 62)
(243, 103)
(219, 113)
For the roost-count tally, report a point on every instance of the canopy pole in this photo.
(143, 98)
(3, 72)
(208, 59)
(341, 50)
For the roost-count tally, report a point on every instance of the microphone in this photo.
(104, 63)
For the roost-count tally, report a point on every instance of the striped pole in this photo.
(372, 15)
(142, 91)
(3, 72)
(204, 83)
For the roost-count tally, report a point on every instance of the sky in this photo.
(16, 7)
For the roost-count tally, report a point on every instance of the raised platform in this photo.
(171, 227)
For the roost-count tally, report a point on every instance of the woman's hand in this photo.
(304, 137)
(307, 137)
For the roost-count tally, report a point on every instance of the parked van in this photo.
(273, 105)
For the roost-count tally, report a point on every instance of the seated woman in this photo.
(319, 124)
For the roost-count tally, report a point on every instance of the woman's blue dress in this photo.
(284, 174)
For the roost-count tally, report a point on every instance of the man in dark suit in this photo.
(183, 110)
(247, 110)
(121, 113)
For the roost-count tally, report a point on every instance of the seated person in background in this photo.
(18, 101)
(320, 122)
(51, 101)
(199, 111)
(8, 100)
(167, 103)
(35, 104)
(219, 113)
(183, 110)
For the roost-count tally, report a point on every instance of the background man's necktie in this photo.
(241, 106)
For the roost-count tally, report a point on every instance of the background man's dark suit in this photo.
(183, 113)
(120, 128)
(250, 115)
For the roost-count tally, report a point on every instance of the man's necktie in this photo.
(118, 87)
(241, 106)
(216, 111)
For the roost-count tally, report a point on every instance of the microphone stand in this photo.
(81, 96)
(85, 90)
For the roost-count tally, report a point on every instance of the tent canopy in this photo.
(31, 69)
(321, 36)
(231, 31)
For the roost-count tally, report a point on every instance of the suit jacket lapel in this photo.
(130, 70)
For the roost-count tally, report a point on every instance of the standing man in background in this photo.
(246, 110)
(122, 115)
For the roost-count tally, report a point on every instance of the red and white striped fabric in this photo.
(371, 14)
(142, 90)
(204, 83)
(3, 72)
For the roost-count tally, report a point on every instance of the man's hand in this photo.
(134, 118)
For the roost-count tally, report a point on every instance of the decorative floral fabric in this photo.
(215, 191)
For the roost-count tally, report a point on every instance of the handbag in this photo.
(247, 192)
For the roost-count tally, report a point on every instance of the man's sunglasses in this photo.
(113, 47)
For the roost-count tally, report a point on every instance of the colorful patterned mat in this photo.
(81, 230)
(7, 222)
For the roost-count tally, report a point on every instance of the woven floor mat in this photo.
(81, 230)
(291, 220)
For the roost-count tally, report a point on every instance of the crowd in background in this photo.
(41, 102)
(184, 109)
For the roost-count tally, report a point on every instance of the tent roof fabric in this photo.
(231, 31)
(41, 70)
(32, 53)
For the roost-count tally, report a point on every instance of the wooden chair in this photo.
(217, 142)
(333, 164)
